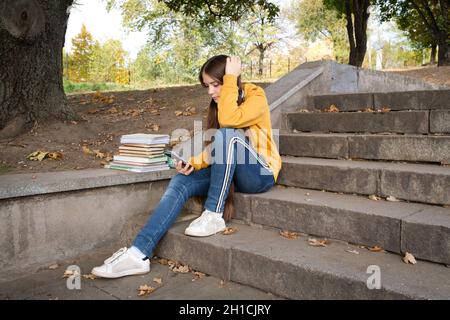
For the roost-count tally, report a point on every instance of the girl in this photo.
(243, 152)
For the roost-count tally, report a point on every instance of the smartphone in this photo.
(175, 156)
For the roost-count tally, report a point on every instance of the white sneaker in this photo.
(207, 224)
(122, 263)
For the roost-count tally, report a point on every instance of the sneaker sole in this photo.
(120, 274)
(188, 233)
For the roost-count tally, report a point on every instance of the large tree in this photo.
(356, 14)
(32, 36)
(434, 16)
(314, 21)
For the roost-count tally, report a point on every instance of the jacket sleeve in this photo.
(248, 113)
(201, 160)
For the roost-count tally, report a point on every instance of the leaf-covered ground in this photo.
(77, 145)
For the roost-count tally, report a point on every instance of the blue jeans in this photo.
(233, 159)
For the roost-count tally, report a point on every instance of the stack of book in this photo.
(141, 152)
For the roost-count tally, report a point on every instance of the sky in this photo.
(102, 25)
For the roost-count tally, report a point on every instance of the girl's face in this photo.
(213, 85)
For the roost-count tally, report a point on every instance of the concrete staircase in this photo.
(332, 164)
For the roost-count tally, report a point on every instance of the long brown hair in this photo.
(215, 68)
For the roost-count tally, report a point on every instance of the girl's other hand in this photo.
(233, 66)
(186, 170)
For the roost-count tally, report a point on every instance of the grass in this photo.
(4, 168)
(78, 87)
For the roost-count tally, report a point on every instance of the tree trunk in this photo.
(32, 35)
(443, 52)
(357, 30)
(261, 50)
(433, 54)
(351, 38)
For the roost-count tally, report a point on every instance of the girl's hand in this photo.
(186, 170)
(233, 66)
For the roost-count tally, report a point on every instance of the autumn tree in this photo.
(429, 17)
(314, 21)
(81, 59)
(356, 14)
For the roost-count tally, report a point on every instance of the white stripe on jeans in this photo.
(228, 163)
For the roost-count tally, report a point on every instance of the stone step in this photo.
(423, 148)
(409, 100)
(422, 230)
(370, 122)
(411, 182)
(293, 269)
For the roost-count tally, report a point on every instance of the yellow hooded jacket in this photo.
(254, 114)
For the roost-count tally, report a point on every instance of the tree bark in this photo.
(262, 51)
(357, 29)
(32, 35)
(433, 54)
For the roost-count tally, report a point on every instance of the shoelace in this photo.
(116, 255)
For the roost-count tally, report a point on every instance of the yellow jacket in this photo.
(253, 113)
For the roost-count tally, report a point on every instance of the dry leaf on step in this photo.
(352, 251)
(374, 197)
(375, 249)
(89, 276)
(229, 230)
(409, 258)
(331, 108)
(289, 234)
(392, 198)
(157, 280)
(317, 243)
(145, 289)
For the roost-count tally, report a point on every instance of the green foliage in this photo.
(315, 21)
(81, 58)
(425, 22)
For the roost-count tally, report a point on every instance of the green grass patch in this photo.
(79, 87)
(4, 168)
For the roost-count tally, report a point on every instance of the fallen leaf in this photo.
(55, 155)
(69, 273)
(145, 290)
(89, 276)
(318, 243)
(289, 234)
(384, 109)
(112, 110)
(73, 122)
(198, 275)
(86, 150)
(53, 266)
(352, 251)
(221, 283)
(392, 198)
(163, 262)
(374, 197)
(409, 258)
(37, 155)
(229, 230)
(155, 127)
(157, 280)
(178, 113)
(375, 249)
(368, 109)
(331, 108)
